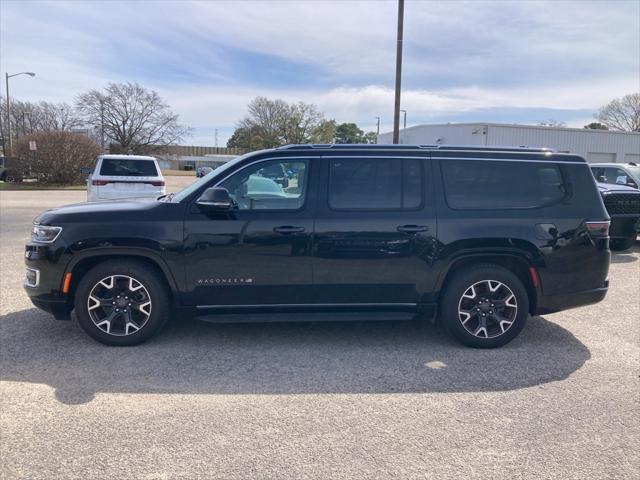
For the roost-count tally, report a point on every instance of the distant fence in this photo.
(183, 150)
(194, 151)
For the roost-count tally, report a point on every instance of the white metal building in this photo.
(594, 145)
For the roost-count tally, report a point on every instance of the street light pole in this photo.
(7, 77)
(396, 110)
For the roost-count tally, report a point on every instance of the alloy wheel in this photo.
(119, 305)
(487, 309)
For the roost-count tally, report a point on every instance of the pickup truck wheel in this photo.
(485, 306)
(121, 303)
(620, 244)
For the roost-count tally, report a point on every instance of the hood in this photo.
(608, 187)
(87, 211)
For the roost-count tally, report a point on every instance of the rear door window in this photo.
(479, 184)
(117, 167)
(375, 184)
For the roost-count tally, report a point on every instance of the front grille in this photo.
(622, 203)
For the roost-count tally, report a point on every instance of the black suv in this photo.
(479, 238)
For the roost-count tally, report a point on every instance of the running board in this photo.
(264, 317)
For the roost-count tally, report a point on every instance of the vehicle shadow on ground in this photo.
(192, 357)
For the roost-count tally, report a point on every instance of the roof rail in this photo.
(305, 145)
(309, 146)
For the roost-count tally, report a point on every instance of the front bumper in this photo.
(556, 303)
(45, 264)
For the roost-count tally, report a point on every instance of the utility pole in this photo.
(396, 110)
(378, 127)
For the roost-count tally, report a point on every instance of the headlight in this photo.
(44, 234)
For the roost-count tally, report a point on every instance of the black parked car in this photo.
(623, 205)
(479, 238)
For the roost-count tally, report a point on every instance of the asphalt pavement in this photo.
(318, 400)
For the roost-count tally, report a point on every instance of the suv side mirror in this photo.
(215, 198)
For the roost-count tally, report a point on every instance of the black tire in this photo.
(153, 290)
(621, 244)
(496, 332)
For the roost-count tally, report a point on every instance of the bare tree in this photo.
(132, 117)
(29, 117)
(552, 123)
(270, 123)
(621, 114)
(302, 120)
(58, 158)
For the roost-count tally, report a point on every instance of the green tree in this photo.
(241, 138)
(596, 126)
(370, 137)
(351, 133)
(348, 133)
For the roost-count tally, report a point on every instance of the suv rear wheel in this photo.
(484, 306)
(121, 303)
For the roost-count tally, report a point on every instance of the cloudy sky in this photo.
(502, 61)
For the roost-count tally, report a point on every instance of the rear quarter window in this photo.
(116, 167)
(479, 184)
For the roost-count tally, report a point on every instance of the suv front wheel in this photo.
(121, 303)
(484, 306)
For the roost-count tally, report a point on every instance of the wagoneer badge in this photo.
(224, 281)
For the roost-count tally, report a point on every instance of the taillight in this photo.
(157, 184)
(598, 229)
(99, 183)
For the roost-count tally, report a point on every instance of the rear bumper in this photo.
(124, 195)
(556, 303)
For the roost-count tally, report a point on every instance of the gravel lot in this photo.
(329, 400)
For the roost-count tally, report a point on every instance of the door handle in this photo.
(287, 229)
(412, 228)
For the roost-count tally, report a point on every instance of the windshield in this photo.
(635, 170)
(182, 194)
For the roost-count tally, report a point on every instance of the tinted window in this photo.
(475, 184)
(256, 187)
(375, 183)
(128, 167)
